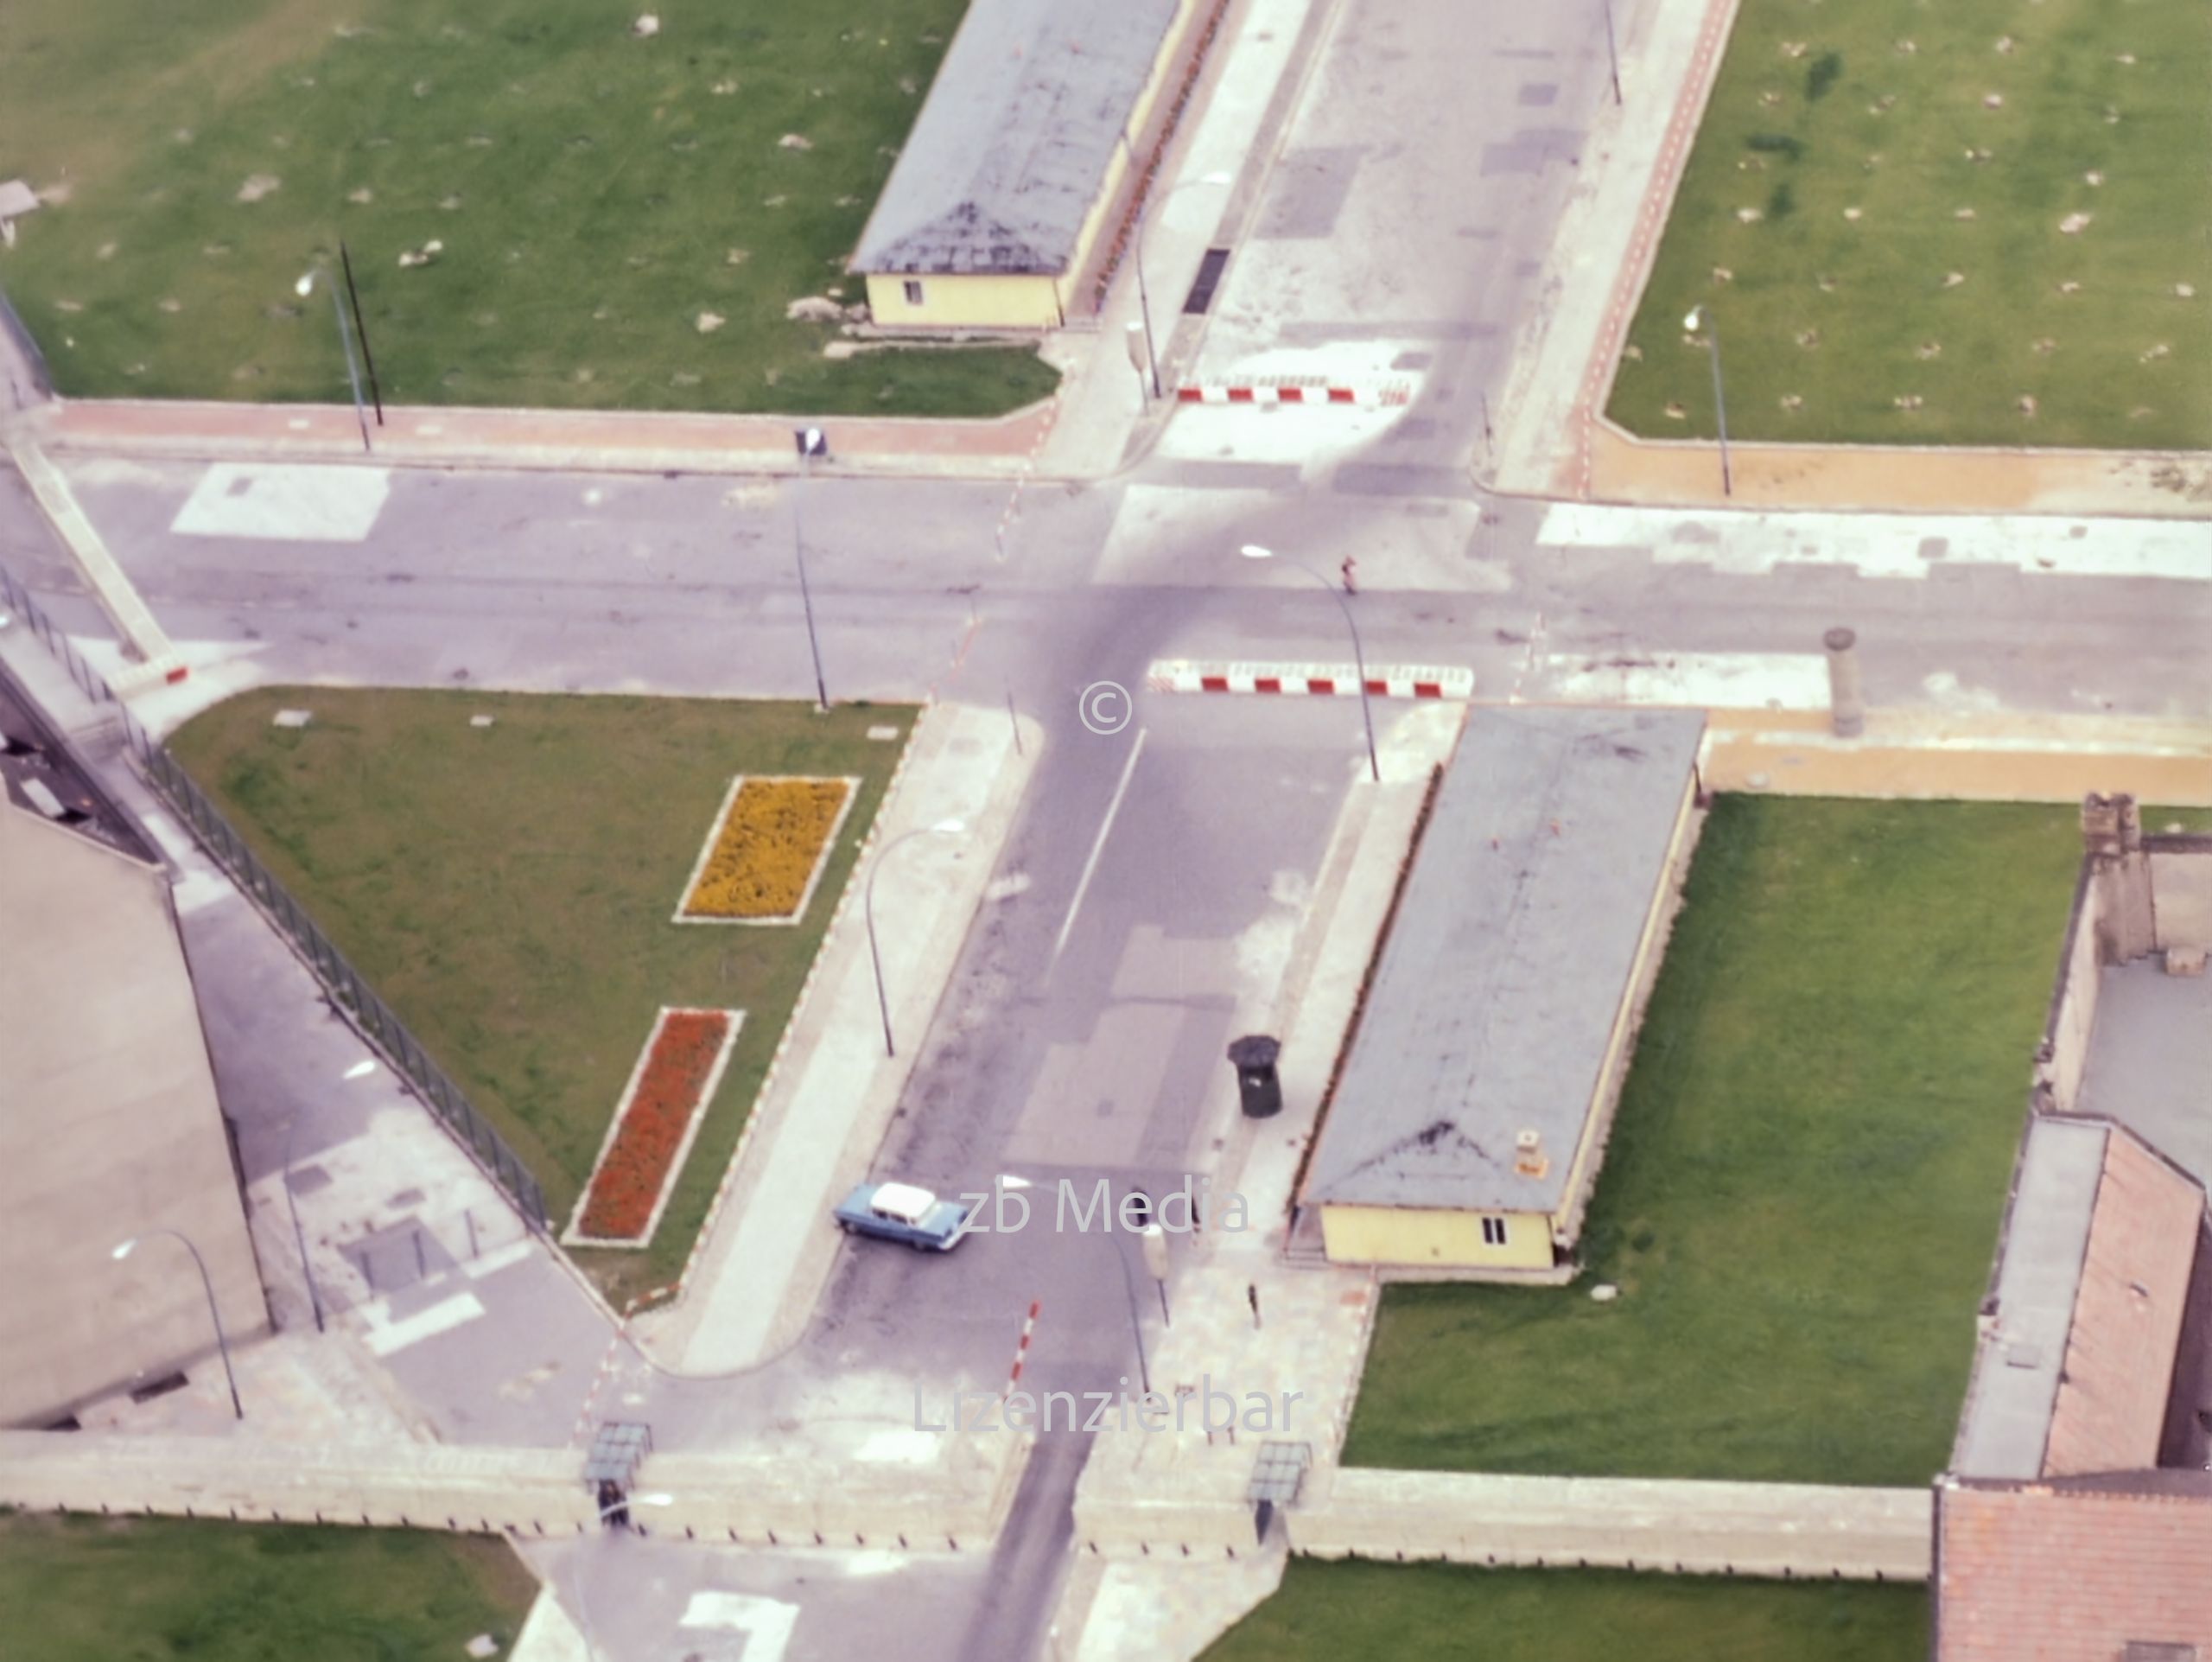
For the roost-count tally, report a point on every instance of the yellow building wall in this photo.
(1425, 1237)
(992, 302)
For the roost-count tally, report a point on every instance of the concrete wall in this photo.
(1743, 1529)
(1435, 1238)
(965, 302)
(1597, 1125)
(2180, 897)
(961, 1498)
(111, 1129)
(2073, 1016)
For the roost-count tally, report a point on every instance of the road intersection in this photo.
(1148, 893)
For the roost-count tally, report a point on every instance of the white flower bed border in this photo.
(852, 784)
(573, 1235)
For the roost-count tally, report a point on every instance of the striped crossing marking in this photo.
(1310, 681)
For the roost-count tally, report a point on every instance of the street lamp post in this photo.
(1144, 296)
(305, 287)
(1136, 1323)
(292, 1205)
(222, 1343)
(1153, 1239)
(1612, 52)
(583, 1614)
(1254, 552)
(812, 442)
(1702, 316)
(942, 828)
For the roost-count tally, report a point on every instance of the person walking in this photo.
(1350, 569)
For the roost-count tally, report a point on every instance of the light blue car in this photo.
(900, 1212)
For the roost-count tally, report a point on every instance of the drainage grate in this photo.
(1209, 270)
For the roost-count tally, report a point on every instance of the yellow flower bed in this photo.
(765, 853)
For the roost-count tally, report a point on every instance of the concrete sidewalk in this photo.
(1990, 758)
(768, 1246)
(613, 441)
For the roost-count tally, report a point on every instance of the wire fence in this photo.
(370, 1014)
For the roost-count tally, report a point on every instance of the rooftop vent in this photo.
(1529, 1159)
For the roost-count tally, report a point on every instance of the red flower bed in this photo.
(628, 1184)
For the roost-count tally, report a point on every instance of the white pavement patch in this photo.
(1707, 680)
(1171, 537)
(386, 1337)
(1908, 545)
(766, 1623)
(290, 504)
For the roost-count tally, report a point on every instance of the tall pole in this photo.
(1359, 660)
(1613, 51)
(361, 328)
(1136, 1325)
(806, 593)
(353, 371)
(942, 828)
(207, 1285)
(875, 957)
(1144, 296)
(1720, 406)
(299, 1236)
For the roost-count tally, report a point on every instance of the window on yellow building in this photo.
(1493, 1232)
(913, 292)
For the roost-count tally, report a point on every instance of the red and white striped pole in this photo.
(1021, 1350)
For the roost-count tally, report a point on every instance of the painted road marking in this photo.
(1896, 545)
(290, 504)
(766, 1623)
(1090, 866)
(1310, 681)
(386, 1337)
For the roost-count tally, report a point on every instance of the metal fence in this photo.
(348, 992)
(15, 599)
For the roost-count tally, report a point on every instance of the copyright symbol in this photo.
(1105, 707)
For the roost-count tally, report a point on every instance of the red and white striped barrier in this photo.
(1310, 681)
(1022, 1350)
(1290, 389)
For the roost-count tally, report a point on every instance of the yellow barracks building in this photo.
(1465, 1133)
(993, 211)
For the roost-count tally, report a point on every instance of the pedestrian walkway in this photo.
(614, 441)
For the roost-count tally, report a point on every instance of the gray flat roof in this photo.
(2006, 1424)
(1510, 956)
(1012, 145)
(2150, 1055)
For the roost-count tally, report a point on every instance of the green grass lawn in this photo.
(509, 890)
(595, 195)
(1428, 1613)
(1801, 1201)
(146, 1589)
(1878, 108)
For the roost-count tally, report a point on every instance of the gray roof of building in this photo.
(2014, 1390)
(1516, 936)
(2150, 1052)
(1014, 142)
